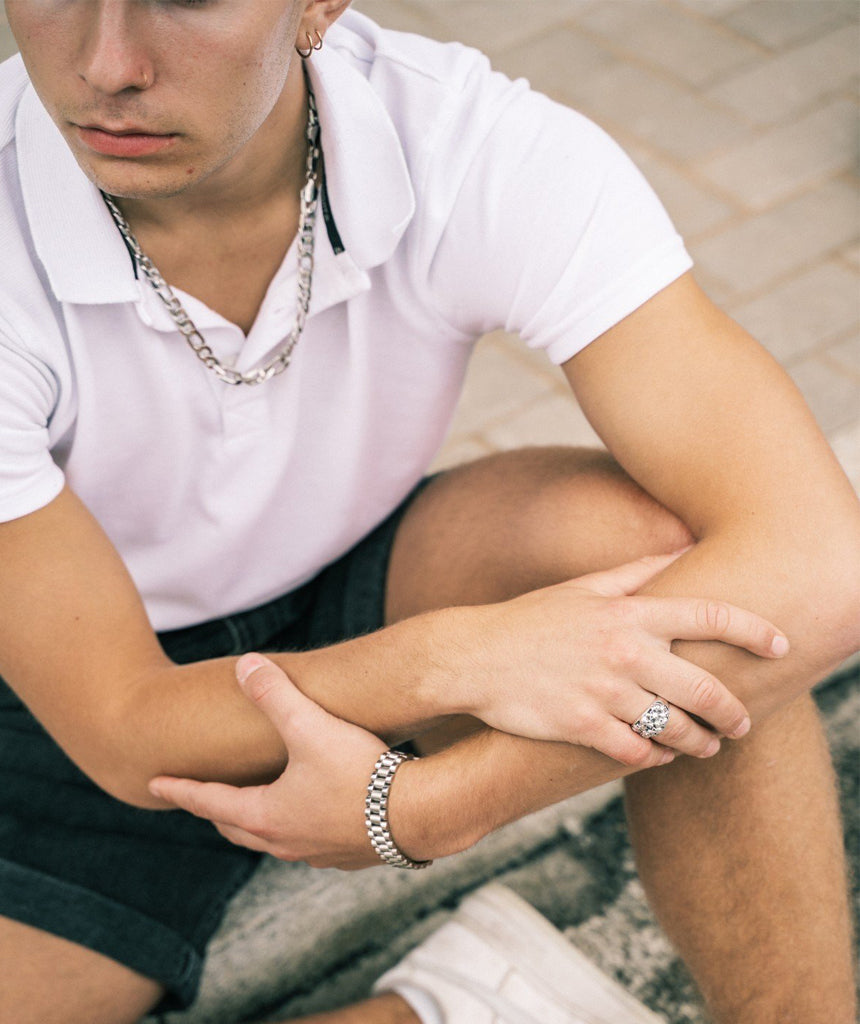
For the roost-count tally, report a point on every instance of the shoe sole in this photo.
(502, 918)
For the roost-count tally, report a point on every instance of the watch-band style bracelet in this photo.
(376, 811)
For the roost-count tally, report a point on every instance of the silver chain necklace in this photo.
(184, 323)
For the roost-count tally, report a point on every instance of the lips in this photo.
(125, 142)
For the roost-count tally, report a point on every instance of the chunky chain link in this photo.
(185, 325)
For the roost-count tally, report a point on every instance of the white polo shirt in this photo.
(464, 202)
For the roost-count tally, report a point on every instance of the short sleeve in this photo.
(29, 478)
(554, 233)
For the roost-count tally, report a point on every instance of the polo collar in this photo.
(367, 179)
(74, 234)
(84, 256)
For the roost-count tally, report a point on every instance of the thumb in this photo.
(292, 713)
(630, 577)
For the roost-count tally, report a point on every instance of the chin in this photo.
(137, 182)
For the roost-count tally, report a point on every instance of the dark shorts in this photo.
(149, 888)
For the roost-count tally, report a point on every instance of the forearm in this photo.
(194, 721)
(447, 802)
(444, 804)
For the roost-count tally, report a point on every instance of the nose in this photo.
(114, 57)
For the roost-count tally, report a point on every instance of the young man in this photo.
(152, 141)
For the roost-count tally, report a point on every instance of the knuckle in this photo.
(714, 616)
(260, 682)
(587, 722)
(621, 609)
(705, 693)
(638, 755)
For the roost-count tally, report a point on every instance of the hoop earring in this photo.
(318, 45)
(145, 81)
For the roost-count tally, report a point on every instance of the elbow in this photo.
(826, 630)
(124, 778)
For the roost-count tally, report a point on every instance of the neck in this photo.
(270, 168)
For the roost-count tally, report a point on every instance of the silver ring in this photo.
(652, 721)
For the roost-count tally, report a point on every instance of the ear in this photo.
(319, 16)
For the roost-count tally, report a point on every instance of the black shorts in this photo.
(149, 888)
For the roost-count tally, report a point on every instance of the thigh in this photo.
(48, 980)
(516, 521)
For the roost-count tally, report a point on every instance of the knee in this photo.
(586, 493)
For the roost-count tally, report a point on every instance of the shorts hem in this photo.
(83, 917)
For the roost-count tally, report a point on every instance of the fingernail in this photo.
(154, 789)
(711, 748)
(247, 664)
(742, 729)
(779, 646)
(667, 757)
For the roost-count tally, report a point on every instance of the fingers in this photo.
(241, 837)
(294, 715)
(628, 578)
(682, 733)
(213, 800)
(699, 619)
(618, 741)
(686, 686)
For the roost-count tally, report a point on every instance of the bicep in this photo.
(74, 635)
(701, 416)
(706, 422)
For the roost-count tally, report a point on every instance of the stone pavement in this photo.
(743, 116)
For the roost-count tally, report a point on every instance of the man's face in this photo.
(154, 96)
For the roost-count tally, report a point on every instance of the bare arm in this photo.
(77, 647)
(706, 422)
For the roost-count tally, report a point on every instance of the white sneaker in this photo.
(498, 961)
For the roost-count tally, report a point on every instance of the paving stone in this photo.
(400, 16)
(748, 256)
(695, 50)
(555, 419)
(803, 313)
(555, 60)
(834, 397)
(657, 110)
(846, 353)
(768, 169)
(778, 23)
(712, 8)
(692, 208)
(794, 80)
(458, 450)
(493, 25)
(497, 385)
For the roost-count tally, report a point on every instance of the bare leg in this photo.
(47, 980)
(749, 882)
(387, 1009)
(742, 855)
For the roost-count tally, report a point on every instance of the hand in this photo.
(315, 811)
(582, 660)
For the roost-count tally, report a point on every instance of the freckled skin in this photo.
(224, 78)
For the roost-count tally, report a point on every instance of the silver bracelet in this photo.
(376, 811)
